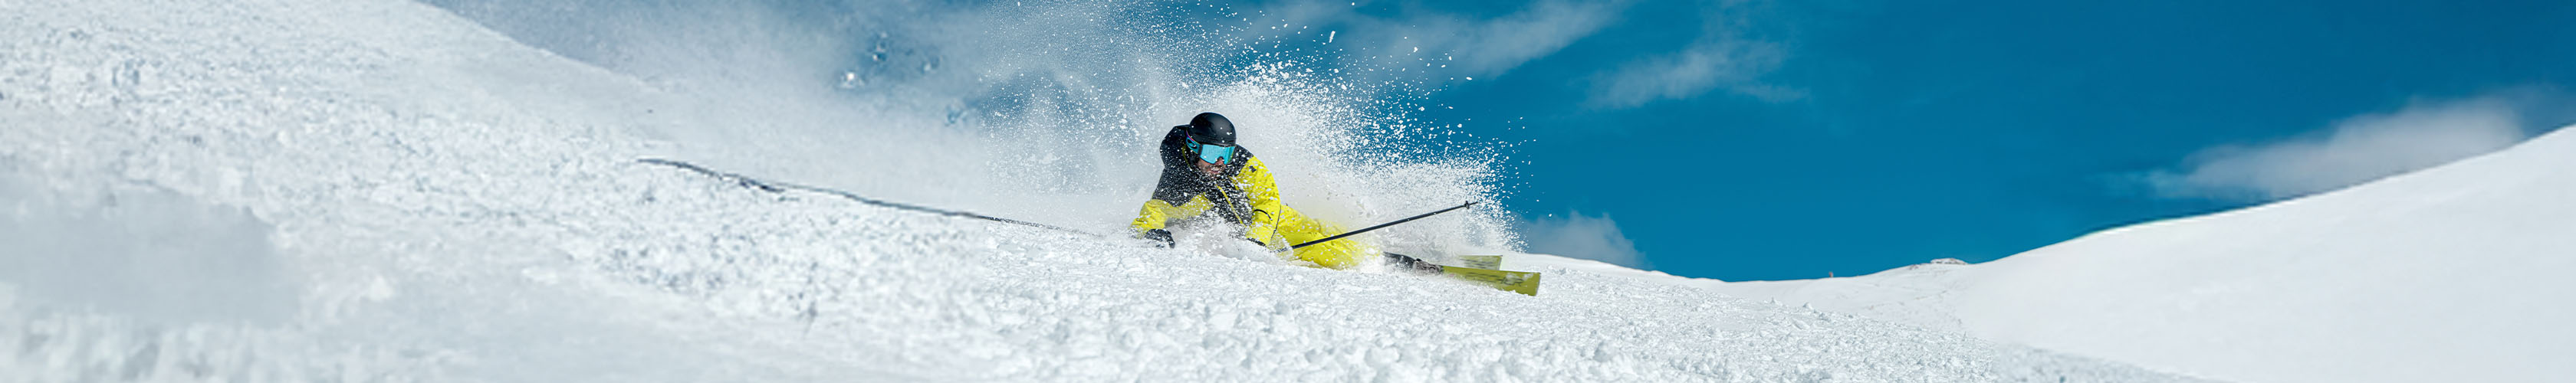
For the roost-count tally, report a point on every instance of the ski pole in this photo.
(775, 187)
(1382, 225)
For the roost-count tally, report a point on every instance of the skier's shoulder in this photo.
(1251, 169)
(1250, 162)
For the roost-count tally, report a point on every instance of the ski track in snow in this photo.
(415, 198)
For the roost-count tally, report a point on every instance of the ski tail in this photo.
(1479, 269)
(1522, 282)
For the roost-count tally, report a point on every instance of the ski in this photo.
(1481, 261)
(1479, 269)
(1522, 282)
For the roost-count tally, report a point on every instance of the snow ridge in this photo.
(2448, 273)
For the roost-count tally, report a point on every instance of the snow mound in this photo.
(376, 190)
(2454, 273)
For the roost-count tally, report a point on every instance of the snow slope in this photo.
(376, 190)
(2455, 273)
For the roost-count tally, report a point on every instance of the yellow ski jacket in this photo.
(1249, 198)
(1244, 194)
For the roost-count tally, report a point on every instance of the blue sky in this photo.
(1756, 139)
(1749, 140)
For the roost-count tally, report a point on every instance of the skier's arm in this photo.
(1156, 213)
(1172, 195)
(1258, 187)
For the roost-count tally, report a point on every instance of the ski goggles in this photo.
(1212, 153)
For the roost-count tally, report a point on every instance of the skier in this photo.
(1204, 170)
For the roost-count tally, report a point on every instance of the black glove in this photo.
(1162, 238)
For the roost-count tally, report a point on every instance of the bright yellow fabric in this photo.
(1156, 213)
(1273, 223)
(1339, 254)
(1255, 182)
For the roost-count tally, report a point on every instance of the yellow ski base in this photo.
(1522, 282)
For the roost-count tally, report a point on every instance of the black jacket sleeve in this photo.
(1179, 181)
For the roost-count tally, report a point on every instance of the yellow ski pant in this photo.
(1297, 228)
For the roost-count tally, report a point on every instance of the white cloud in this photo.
(1580, 236)
(2357, 150)
(1449, 45)
(1723, 57)
(1703, 67)
(1493, 46)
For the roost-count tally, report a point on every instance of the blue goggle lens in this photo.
(1213, 154)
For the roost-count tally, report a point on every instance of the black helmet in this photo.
(1211, 129)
